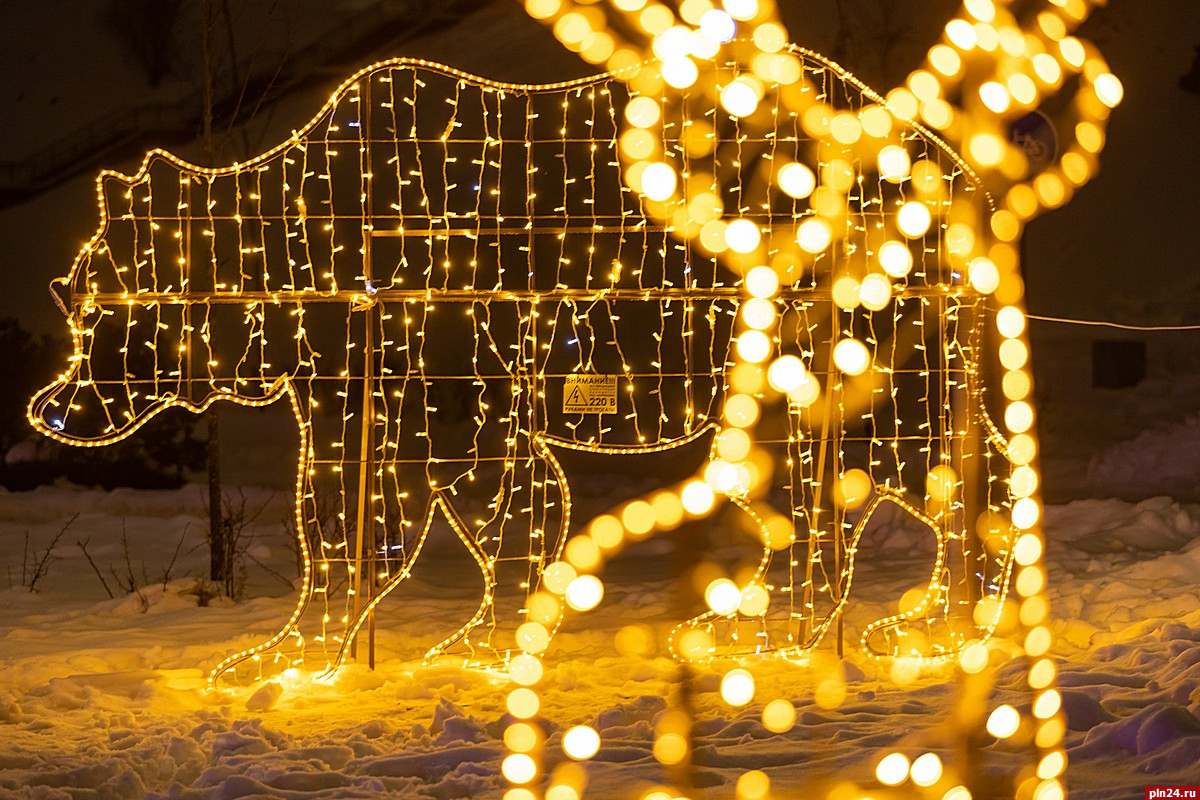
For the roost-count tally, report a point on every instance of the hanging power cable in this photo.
(1107, 324)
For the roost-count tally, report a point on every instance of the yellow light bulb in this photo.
(643, 112)
(797, 180)
(544, 608)
(741, 9)
(695, 644)
(839, 175)
(584, 593)
(668, 509)
(983, 274)
(926, 770)
(697, 498)
(680, 72)
(755, 601)
(542, 9)
(670, 748)
(518, 768)
(1028, 548)
(607, 531)
(779, 716)
(1022, 449)
(638, 144)
(1052, 765)
(987, 149)
(1025, 513)
(945, 60)
(723, 596)
(961, 33)
(770, 37)
(974, 659)
(814, 235)
(1018, 417)
(853, 488)
(739, 98)
(637, 518)
(1022, 88)
(674, 42)
(741, 235)
(845, 128)
(659, 181)
(634, 640)
(960, 239)
(559, 792)
(982, 10)
(655, 18)
(556, 576)
(581, 742)
(894, 163)
(741, 410)
(1023, 481)
(786, 373)
(762, 282)
(1072, 51)
(1010, 321)
(1003, 722)
(717, 25)
(737, 687)
(1013, 354)
(532, 637)
(995, 96)
(806, 393)
(875, 292)
(753, 785)
(845, 293)
(876, 121)
(913, 219)
(758, 313)
(525, 669)
(924, 85)
(733, 444)
(892, 770)
(1047, 68)
(521, 737)
(583, 553)
(754, 346)
(895, 258)
(903, 102)
(851, 356)
(522, 703)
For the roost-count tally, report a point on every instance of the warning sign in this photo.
(590, 394)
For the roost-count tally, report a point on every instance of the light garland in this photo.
(740, 238)
(989, 68)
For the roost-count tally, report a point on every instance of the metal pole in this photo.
(365, 546)
(220, 559)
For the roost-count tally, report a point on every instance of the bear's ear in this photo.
(1022, 100)
(115, 196)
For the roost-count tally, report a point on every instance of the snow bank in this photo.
(105, 698)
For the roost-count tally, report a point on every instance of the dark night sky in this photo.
(1125, 247)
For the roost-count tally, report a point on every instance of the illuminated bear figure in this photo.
(470, 253)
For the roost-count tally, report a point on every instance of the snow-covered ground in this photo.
(105, 697)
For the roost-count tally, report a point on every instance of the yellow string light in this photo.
(1013, 64)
